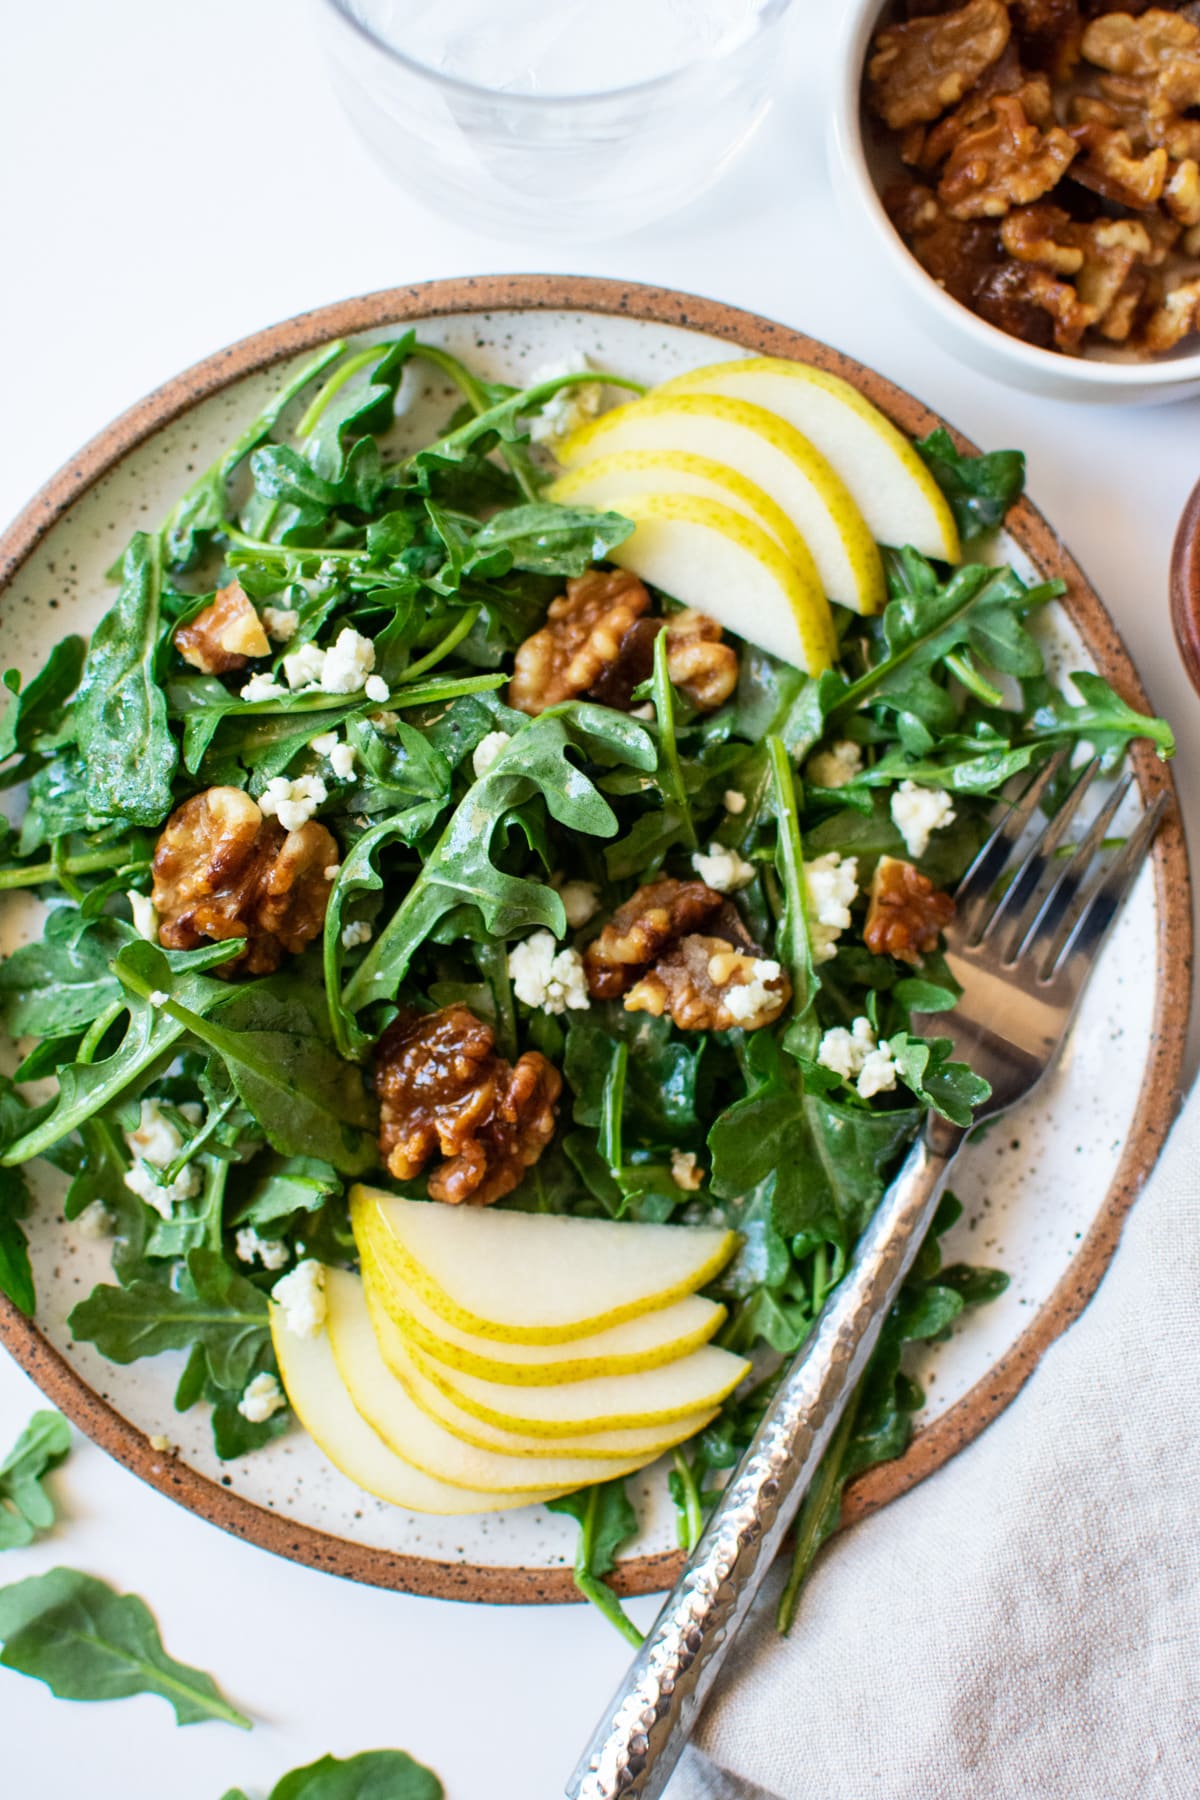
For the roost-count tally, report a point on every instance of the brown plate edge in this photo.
(1160, 1092)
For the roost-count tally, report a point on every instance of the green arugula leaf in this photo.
(950, 1088)
(121, 712)
(606, 1520)
(548, 539)
(372, 1775)
(87, 1642)
(1104, 719)
(980, 489)
(26, 1507)
(37, 708)
(213, 1306)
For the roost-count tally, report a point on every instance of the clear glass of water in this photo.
(560, 118)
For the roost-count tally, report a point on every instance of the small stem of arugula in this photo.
(591, 1586)
(504, 412)
(337, 380)
(442, 649)
(692, 1519)
(791, 859)
(94, 1036)
(35, 874)
(808, 1534)
(670, 769)
(476, 397)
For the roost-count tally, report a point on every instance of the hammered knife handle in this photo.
(644, 1729)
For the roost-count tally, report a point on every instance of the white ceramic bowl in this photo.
(1105, 378)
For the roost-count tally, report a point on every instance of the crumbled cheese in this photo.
(282, 622)
(293, 802)
(570, 408)
(158, 997)
(262, 687)
(302, 1297)
(192, 1111)
(262, 1400)
(858, 1058)
(304, 667)
(160, 1443)
(325, 744)
(917, 812)
(156, 1140)
(145, 917)
(832, 883)
(96, 1220)
(645, 712)
(341, 761)
(272, 1253)
(733, 801)
(332, 871)
(382, 721)
(750, 999)
(834, 767)
(487, 750)
(685, 1171)
(163, 1197)
(581, 902)
(359, 932)
(722, 868)
(348, 663)
(376, 688)
(542, 975)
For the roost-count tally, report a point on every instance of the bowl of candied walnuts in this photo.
(1033, 169)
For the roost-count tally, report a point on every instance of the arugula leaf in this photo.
(121, 711)
(548, 539)
(25, 1506)
(460, 867)
(980, 489)
(950, 1088)
(37, 708)
(606, 1519)
(1104, 719)
(372, 1775)
(213, 1306)
(66, 981)
(87, 1642)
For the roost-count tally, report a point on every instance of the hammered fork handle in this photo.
(650, 1718)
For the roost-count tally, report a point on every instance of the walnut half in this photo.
(907, 914)
(444, 1091)
(223, 871)
(225, 636)
(706, 985)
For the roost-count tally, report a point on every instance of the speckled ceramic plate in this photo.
(1045, 1191)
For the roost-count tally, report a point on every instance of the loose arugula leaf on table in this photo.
(26, 1507)
(606, 1520)
(980, 489)
(121, 712)
(87, 1642)
(371, 1775)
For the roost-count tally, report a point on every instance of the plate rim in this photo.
(1159, 1093)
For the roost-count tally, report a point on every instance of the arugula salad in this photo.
(387, 769)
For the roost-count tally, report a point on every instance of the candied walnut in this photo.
(225, 636)
(642, 928)
(1109, 167)
(1174, 318)
(706, 985)
(907, 914)
(1126, 45)
(633, 664)
(1045, 236)
(1034, 96)
(1181, 194)
(699, 663)
(1002, 162)
(223, 871)
(1113, 248)
(444, 1091)
(961, 255)
(581, 638)
(1050, 33)
(920, 69)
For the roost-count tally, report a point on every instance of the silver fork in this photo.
(1023, 960)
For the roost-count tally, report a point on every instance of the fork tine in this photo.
(1016, 906)
(973, 897)
(1105, 901)
(1056, 914)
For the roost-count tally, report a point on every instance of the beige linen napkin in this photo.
(1027, 1622)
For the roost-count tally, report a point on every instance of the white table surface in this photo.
(150, 217)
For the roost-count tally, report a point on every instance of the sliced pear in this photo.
(680, 472)
(384, 1401)
(763, 449)
(609, 1403)
(891, 484)
(642, 1343)
(614, 1446)
(712, 558)
(325, 1409)
(536, 1278)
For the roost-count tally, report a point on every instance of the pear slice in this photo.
(536, 1278)
(763, 449)
(892, 485)
(680, 472)
(382, 1398)
(609, 1403)
(614, 1446)
(641, 1343)
(710, 557)
(325, 1409)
